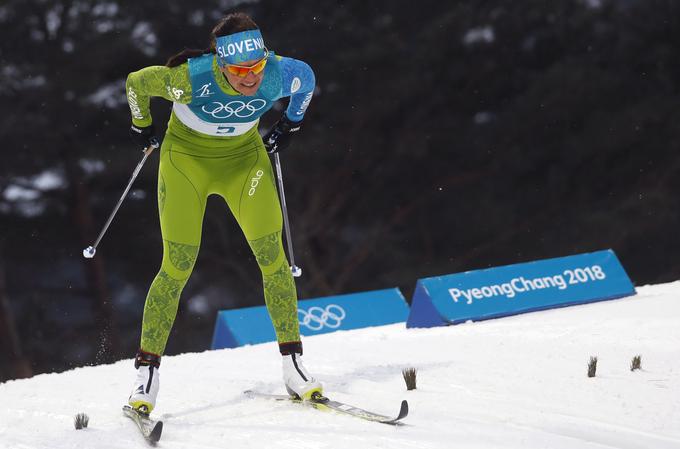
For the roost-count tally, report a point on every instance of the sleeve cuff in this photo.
(142, 123)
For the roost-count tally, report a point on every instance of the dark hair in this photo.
(229, 24)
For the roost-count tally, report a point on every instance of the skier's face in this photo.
(246, 85)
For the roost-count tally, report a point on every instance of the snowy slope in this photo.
(517, 382)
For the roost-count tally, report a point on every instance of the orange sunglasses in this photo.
(242, 71)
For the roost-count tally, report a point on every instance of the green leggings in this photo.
(243, 177)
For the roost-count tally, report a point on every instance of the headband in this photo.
(239, 47)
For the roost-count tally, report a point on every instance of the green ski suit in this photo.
(195, 164)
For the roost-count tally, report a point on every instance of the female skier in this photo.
(212, 145)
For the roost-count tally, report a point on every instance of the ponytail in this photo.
(182, 57)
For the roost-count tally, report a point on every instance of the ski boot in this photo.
(299, 383)
(145, 388)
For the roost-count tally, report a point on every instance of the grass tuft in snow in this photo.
(81, 421)
(410, 377)
(636, 363)
(592, 366)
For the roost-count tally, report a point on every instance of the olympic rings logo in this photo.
(235, 108)
(317, 317)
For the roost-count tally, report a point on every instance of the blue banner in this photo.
(252, 325)
(512, 289)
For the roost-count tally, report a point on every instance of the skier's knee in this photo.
(179, 259)
(268, 251)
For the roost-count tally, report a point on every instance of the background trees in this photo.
(444, 136)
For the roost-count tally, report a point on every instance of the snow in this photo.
(593, 4)
(517, 382)
(144, 38)
(92, 166)
(26, 194)
(484, 35)
(31, 188)
(48, 180)
(111, 95)
(14, 77)
(19, 193)
(53, 20)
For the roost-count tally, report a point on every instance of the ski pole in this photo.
(297, 271)
(89, 252)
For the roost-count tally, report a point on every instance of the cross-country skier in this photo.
(212, 145)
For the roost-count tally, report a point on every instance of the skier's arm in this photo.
(298, 84)
(171, 83)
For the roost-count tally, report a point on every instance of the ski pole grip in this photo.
(153, 146)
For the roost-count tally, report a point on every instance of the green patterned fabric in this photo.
(241, 173)
(279, 286)
(161, 194)
(171, 83)
(182, 256)
(281, 300)
(266, 249)
(159, 312)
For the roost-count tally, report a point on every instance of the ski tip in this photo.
(396, 421)
(403, 411)
(155, 434)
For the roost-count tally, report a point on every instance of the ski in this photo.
(323, 403)
(151, 429)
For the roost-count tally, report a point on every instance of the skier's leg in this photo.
(253, 199)
(181, 205)
(250, 192)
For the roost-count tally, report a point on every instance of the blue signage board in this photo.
(252, 325)
(519, 288)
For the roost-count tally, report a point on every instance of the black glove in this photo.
(144, 136)
(278, 138)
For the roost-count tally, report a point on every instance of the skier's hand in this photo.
(278, 138)
(144, 136)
